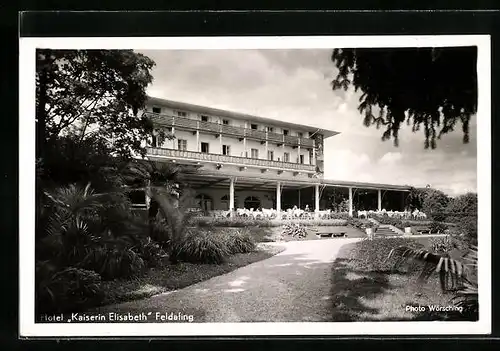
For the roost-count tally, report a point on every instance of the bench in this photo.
(326, 234)
(422, 230)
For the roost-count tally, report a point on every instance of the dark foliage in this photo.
(68, 290)
(93, 91)
(430, 87)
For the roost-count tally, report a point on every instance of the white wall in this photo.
(237, 147)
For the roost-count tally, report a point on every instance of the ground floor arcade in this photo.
(223, 193)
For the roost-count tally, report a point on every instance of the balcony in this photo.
(200, 156)
(224, 129)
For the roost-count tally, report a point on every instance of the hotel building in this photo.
(246, 161)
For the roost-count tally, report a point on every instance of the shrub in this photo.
(358, 223)
(201, 247)
(396, 222)
(239, 241)
(68, 290)
(151, 252)
(372, 254)
(160, 231)
(438, 227)
(405, 224)
(339, 215)
(114, 262)
(241, 222)
(467, 228)
(294, 230)
(313, 222)
(441, 245)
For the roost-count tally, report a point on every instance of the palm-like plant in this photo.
(176, 213)
(467, 296)
(83, 223)
(454, 275)
(73, 212)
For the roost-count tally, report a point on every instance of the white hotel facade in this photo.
(246, 161)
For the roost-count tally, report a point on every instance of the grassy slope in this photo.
(366, 291)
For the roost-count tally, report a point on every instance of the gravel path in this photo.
(293, 286)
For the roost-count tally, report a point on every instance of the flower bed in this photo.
(250, 222)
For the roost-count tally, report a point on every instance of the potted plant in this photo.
(407, 226)
(370, 228)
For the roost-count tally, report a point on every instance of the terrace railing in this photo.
(202, 156)
(192, 124)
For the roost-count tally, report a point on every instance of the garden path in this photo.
(292, 286)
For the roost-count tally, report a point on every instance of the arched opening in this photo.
(204, 202)
(225, 202)
(252, 202)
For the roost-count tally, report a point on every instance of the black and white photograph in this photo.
(255, 186)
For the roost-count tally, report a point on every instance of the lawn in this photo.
(273, 234)
(178, 276)
(365, 288)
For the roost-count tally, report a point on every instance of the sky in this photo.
(294, 86)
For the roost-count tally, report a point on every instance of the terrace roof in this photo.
(202, 179)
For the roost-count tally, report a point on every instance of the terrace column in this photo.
(174, 146)
(379, 200)
(198, 136)
(314, 154)
(231, 197)
(316, 201)
(350, 202)
(278, 199)
(245, 141)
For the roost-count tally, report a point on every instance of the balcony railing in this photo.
(170, 121)
(201, 156)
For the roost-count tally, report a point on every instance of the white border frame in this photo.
(28, 328)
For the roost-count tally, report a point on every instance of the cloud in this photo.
(390, 158)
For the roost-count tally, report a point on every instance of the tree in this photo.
(463, 204)
(81, 92)
(463, 211)
(434, 204)
(415, 198)
(433, 87)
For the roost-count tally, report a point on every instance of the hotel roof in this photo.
(241, 116)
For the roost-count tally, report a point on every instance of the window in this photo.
(255, 153)
(154, 142)
(156, 109)
(253, 126)
(204, 148)
(182, 144)
(270, 129)
(285, 131)
(204, 118)
(225, 121)
(270, 155)
(226, 150)
(301, 159)
(286, 157)
(181, 114)
(225, 202)
(300, 135)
